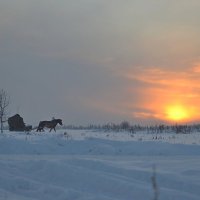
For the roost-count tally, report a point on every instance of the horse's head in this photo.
(59, 121)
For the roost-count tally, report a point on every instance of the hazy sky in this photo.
(97, 61)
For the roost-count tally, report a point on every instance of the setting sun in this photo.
(177, 113)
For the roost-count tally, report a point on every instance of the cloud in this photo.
(78, 51)
(159, 88)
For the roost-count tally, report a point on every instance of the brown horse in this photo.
(49, 124)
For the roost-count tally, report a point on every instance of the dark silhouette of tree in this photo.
(125, 125)
(4, 103)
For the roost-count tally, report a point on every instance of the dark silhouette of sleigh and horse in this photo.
(49, 124)
(16, 123)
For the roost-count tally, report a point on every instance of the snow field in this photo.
(87, 165)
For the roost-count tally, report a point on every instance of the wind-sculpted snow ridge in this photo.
(87, 165)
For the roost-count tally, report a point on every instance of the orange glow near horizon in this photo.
(167, 95)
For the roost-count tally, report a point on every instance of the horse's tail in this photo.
(40, 127)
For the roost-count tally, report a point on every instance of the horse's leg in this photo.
(50, 129)
(54, 129)
(40, 128)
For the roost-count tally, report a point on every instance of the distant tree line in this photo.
(127, 127)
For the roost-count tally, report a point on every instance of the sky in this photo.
(98, 61)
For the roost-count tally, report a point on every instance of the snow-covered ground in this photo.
(97, 165)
